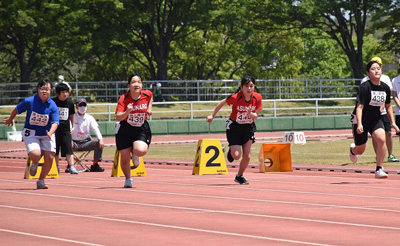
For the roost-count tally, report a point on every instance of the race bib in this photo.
(228, 124)
(28, 133)
(378, 98)
(243, 118)
(353, 119)
(80, 135)
(136, 119)
(64, 113)
(117, 128)
(38, 119)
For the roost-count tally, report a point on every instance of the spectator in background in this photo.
(396, 94)
(41, 122)
(82, 141)
(61, 78)
(157, 94)
(388, 127)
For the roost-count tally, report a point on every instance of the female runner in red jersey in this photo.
(133, 134)
(240, 127)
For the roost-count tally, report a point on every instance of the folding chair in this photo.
(79, 160)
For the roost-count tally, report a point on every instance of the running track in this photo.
(172, 207)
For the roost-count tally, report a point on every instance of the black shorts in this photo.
(360, 139)
(239, 134)
(127, 134)
(397, 123)
(386, 123)
(64, 141)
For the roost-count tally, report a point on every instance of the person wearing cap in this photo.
(388, 127)
(81, 138)
(63, 134)
(396, 94)
(156, 90)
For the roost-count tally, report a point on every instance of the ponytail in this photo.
(245, 80)
(238, 90)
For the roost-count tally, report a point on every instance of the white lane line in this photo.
(225, 197)
(48, 237)
(212, 210)
(166, 226)
(280, 176)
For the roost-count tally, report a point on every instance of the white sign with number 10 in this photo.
(294, 137)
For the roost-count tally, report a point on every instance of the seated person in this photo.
(82, 141)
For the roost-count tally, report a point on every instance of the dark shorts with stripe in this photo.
(128, 134)
(239, 134)
(64, 141)
(386, 123)
(397, 123)
(370, 127)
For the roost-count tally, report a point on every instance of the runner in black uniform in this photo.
(371, 98)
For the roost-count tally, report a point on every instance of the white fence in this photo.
(200, 109)
(195, 90)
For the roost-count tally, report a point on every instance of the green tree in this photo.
(145, 30)
(343, 21)
(26, 30)
(388, 21)
(227, 48)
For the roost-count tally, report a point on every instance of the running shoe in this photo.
(392, 158)
(380, 174)
(96, 168)
(68, 169)
(241, 180)
(229, 156)
(353, 157)
(135, 160)
(41, 185)
(33, 168)
(73, 170)
(128, 183)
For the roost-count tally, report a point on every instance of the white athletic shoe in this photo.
(353, 157)
(41, 185)
(135, 160)
(128, 183)
(380, 174)
(73, 170)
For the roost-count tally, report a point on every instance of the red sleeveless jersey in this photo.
(240, 106)
(139, 106)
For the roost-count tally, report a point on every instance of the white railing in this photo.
(197, 109)
(195, 90)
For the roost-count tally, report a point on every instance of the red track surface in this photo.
(172, 207)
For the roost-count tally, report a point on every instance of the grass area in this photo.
(312, 153)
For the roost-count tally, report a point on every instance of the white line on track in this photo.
(166, 226)
(343, 183)
(48, 237)
(238, 198)
(221, 211)
(286, 191)
(344, 177)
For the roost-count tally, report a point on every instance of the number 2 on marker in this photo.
(214, 157)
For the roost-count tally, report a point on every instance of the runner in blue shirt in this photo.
(42, 119)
